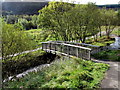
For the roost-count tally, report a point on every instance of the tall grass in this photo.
(67, 73)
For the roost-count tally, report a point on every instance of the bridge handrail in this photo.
(69, 45)
(76, 43)
(67, 49)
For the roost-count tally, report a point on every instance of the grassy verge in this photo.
(116, 30)
(74, 73)
(112, 55)
(40, 35)
(23, 62)
(102, 41)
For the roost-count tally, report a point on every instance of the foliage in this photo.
(38, 35)
(22, 62)
(11, 19)
(116, 32)
(53, 19)
(118, 15)
(74, 73)
(73, 22)
(25, 22)
(102, 41)
(14, 40)
(110, 20)
(84, 23)
(112, 55)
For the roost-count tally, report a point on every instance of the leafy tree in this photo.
(52, 18)
(109, 20)
(93, 22)
(11, 19)
(14, 41)
(83, 21)
(100, 21)
(118, 15)
(34, 21)
(26, 25)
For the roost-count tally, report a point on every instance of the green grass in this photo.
(22, 62)
(73, 73)
(36, 36)
(116, 30)
(33, 30)
(40, 35)
(112, 55)
(102, 41)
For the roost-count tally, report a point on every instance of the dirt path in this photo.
(111, 79)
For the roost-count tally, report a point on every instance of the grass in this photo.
(102, 41)
(116, 30)
(73, 73)
(39, 36)
(23, 62)
(35, 34)
(112, 55)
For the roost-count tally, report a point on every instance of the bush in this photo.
(113, 55)
(74, 73)
(14, 40)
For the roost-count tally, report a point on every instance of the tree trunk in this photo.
(108, 35)
(100, 31)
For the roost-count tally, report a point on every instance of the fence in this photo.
(67, 49)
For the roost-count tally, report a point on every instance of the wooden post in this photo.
(77, 52)
(61, 48)
(55, 47)
(68, 50)
(89, 54)
(50, 47)
(42, 46)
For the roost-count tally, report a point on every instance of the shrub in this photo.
(14, 40)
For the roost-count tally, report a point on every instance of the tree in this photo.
(11, 19)
(93, 23)
(34, 21)
(118, 16)
(100, 22)
(83, 21)
(14, 41)
(109, 20)
(52, 18)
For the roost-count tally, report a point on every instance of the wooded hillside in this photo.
(30, 8)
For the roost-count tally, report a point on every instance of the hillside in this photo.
(30, 8)
(22, 7)
(113, 6)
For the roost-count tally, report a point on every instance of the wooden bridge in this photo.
(80, 50)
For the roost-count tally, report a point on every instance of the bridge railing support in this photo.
(67, 49)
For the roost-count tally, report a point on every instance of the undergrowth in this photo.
(73, 73)
(112, 55)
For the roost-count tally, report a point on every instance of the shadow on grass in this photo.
(13, 67)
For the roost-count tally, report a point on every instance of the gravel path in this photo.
(111, 79)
